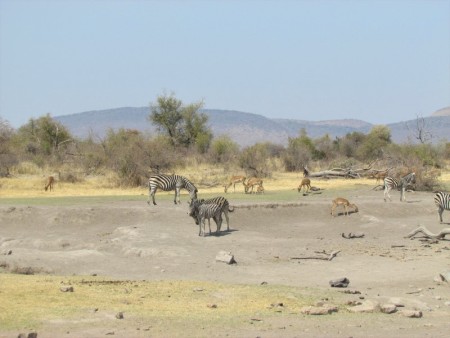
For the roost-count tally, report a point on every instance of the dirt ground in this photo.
(132, 240)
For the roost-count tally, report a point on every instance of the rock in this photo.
(340, 282)
(396, 301)
(66, 288)
(226, 257)
(443, 277)
(411, 313)
(315, 310)
(388, 308)
(367, 306)
(119, 315)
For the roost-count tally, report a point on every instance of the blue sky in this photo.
(378, 61)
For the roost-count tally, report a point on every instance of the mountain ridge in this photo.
(246, 128)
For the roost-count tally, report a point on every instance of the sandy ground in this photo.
(133, 240)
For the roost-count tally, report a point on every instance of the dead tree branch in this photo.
(428, 234)
(324, 258)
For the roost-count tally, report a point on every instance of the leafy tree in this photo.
(7, 156)
(299, 153)
(254, 160)
(349, 144)
(43, 136)
(375, 143)
(223, 150)
(184, 125)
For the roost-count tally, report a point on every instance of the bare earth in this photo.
(132, 240)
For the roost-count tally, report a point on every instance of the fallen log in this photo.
(329, 258)
(428, 234)
(347, 173)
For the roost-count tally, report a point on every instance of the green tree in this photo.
(184, 125)
(300, 151)
(349, 144)
(223, 150)
(254, 160)
(375, 143)
(7, 156)
(44, 136)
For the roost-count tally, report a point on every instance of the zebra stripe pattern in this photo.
(442, 201)
(210, 208)
(169, 183)
(391, 183)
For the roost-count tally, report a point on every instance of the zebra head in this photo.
(193, 208)
(410, 178)
(193, 194)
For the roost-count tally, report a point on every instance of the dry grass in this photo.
(208, 180)
(36, 301)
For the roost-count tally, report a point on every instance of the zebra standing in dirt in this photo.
(169, 183)
(402, 183)
(207, 209)
(442, 201)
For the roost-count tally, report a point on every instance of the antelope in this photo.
(260, 189)
(381, 175)
(233, 180)
(252, 182)
(50, 182)
(342, 201)
(306, 182)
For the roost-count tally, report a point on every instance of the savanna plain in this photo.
(92, 260)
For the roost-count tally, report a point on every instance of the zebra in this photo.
(442, 201)
(210, 208)
(402, 183)
(168, 183)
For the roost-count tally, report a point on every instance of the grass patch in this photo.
(32, 301)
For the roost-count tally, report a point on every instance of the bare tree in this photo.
(420, 131)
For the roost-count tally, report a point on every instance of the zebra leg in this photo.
(218, 220)
(209, 226)
(227, 218)
(152, 196)
(440, 212)
(203, 225)
(386, 192)
(177, 194)
(402, 194)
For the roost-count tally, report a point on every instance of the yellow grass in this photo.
(207, 179)
(33, 301)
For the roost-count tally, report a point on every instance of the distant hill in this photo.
(442, 112)
(246, 128)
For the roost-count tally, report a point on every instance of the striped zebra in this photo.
(402, 183)
(442, 201)
(210, 208)
(169, 183)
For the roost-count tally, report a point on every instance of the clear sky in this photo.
(378, 61)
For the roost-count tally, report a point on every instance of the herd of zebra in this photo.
(202, 210)
(199, 209)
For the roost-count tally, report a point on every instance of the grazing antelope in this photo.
(251, 183)
(306, 182)
(379, 176)
(233, 180)
(50, 182)
(260, 189)
(342, 201)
